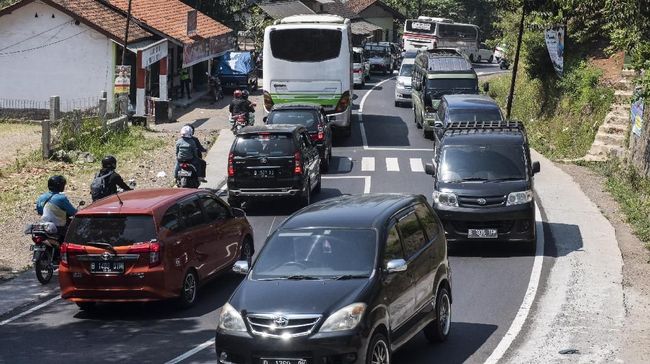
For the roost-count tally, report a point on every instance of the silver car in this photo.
(403, 85)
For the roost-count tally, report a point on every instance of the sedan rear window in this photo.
(117, 230)
(308, 118)
(474, 115)
(317, 253)
(264, 145)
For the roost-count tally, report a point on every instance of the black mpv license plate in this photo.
(283, 361)
(482, 233)
(107, 267)
(264, 173)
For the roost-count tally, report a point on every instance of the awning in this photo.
(362, 27)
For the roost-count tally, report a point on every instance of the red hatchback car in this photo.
(147, 245)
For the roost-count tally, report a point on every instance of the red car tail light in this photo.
(151, 248)
(268, 101)
(320, 136)
(231, 165)
(344, 102)
(297, 159)
(67, 249)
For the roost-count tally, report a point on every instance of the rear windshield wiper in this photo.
(508, 179)
(349, 276)
(474, 179)
(300, 277)
(104, 245)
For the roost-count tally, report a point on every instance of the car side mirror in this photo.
(536, 167)
(429, 169)
(237, 212)
(396, 265)
(438, 124)
(265, 119)
(486, 87)
(240, 267)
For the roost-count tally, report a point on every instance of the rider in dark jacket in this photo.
(109, 164)
(240, 104)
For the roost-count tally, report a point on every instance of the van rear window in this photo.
(269, 145)
(117, 230)
(306, 45)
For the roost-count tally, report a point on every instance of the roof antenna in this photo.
(117, 194)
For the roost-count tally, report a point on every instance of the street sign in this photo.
(122, 79)
(191, 23)
(154, 53)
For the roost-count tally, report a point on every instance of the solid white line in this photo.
(182, 357)
(367, 180)
(271, 227)
(48, 302)
(368, 164)
(529, 297)
(416, 165)
(392, 165)
(399, 149)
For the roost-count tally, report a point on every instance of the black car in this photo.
(464, 107)
(483, 186)
(345, 280)
(313, 118)
(271, 161)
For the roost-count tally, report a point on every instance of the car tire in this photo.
(438, 330)
(189, 288)
(305, 198)
(86, 306)
(378, 350)
(490, 59)
(325, 162)
(247, 250)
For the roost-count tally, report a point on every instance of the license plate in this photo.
(106, 267)
(283, 361)
(184, 173)
(36, 248)
(482, 233)
(264, 173)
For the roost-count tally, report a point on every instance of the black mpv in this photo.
(272, 161)
(345, 280)
(483, 183)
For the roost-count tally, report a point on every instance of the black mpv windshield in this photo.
(492, 162)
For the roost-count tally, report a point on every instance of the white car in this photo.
(403, 85)
(499, 52)
(484, 54)
(360, 67)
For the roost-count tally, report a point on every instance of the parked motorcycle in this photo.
(504, 64)
(214, 88)
(187, 176)
(46, 248)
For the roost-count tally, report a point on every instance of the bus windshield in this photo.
(305, 45)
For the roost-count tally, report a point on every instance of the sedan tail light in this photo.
(297, 160)
(67, 249)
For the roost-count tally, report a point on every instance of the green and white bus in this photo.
(308, 59)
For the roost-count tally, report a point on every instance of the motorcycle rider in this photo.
(53, 206)
(202, 165)
(186, 150)
(241, 105)
(111, 180)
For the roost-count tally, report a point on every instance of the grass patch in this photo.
(561, 116)
(632, 191)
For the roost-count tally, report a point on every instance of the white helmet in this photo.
(186, 131)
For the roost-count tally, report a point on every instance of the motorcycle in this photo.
(238, 122)
(214, 87)
(187, 176)
(46, 248)
(504, 64)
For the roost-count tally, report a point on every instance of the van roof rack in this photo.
(500, 125)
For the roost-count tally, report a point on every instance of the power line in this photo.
(42, 46)
(36, 35)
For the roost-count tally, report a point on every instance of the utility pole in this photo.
(126, 33)
(511, 95)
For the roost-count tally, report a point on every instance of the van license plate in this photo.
(106, 267)
(283, 361)
(482, 233)
(184, 173)
(264, 173)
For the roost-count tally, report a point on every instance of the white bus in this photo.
(428, 33)
(308, 59)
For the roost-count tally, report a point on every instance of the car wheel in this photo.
(438, 330)
(304, 199)
(247, 250)
(378, 350)
(86, 306)
(189, 288)
(325, 162)
(490, 59)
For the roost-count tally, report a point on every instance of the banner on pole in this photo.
(636, 112)
(555, 44)
(122, 79)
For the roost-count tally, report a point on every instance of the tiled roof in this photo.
(100, 17)
(170, 18)
(336, 7)
(359, 5)
(361, 27)
(279, 10)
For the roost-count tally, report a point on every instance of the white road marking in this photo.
(392, 165)
(529, 297)
(368, 164)
(367, 180)
(271, 227)
(38, 307)
(186, 355)
(416, 165)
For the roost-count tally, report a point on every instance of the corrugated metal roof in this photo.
(279, 10)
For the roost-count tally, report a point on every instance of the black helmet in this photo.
(56, 184)
(244, 94)
(109, 162)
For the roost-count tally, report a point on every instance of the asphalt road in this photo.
(386, 153)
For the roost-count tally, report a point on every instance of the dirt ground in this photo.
(18, 141)
(611, 66)
(149, 169)
(636, 265)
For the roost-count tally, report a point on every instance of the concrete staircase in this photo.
(610, 138)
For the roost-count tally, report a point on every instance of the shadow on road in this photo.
(386, 131)
(464, 340)
(285, 207)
